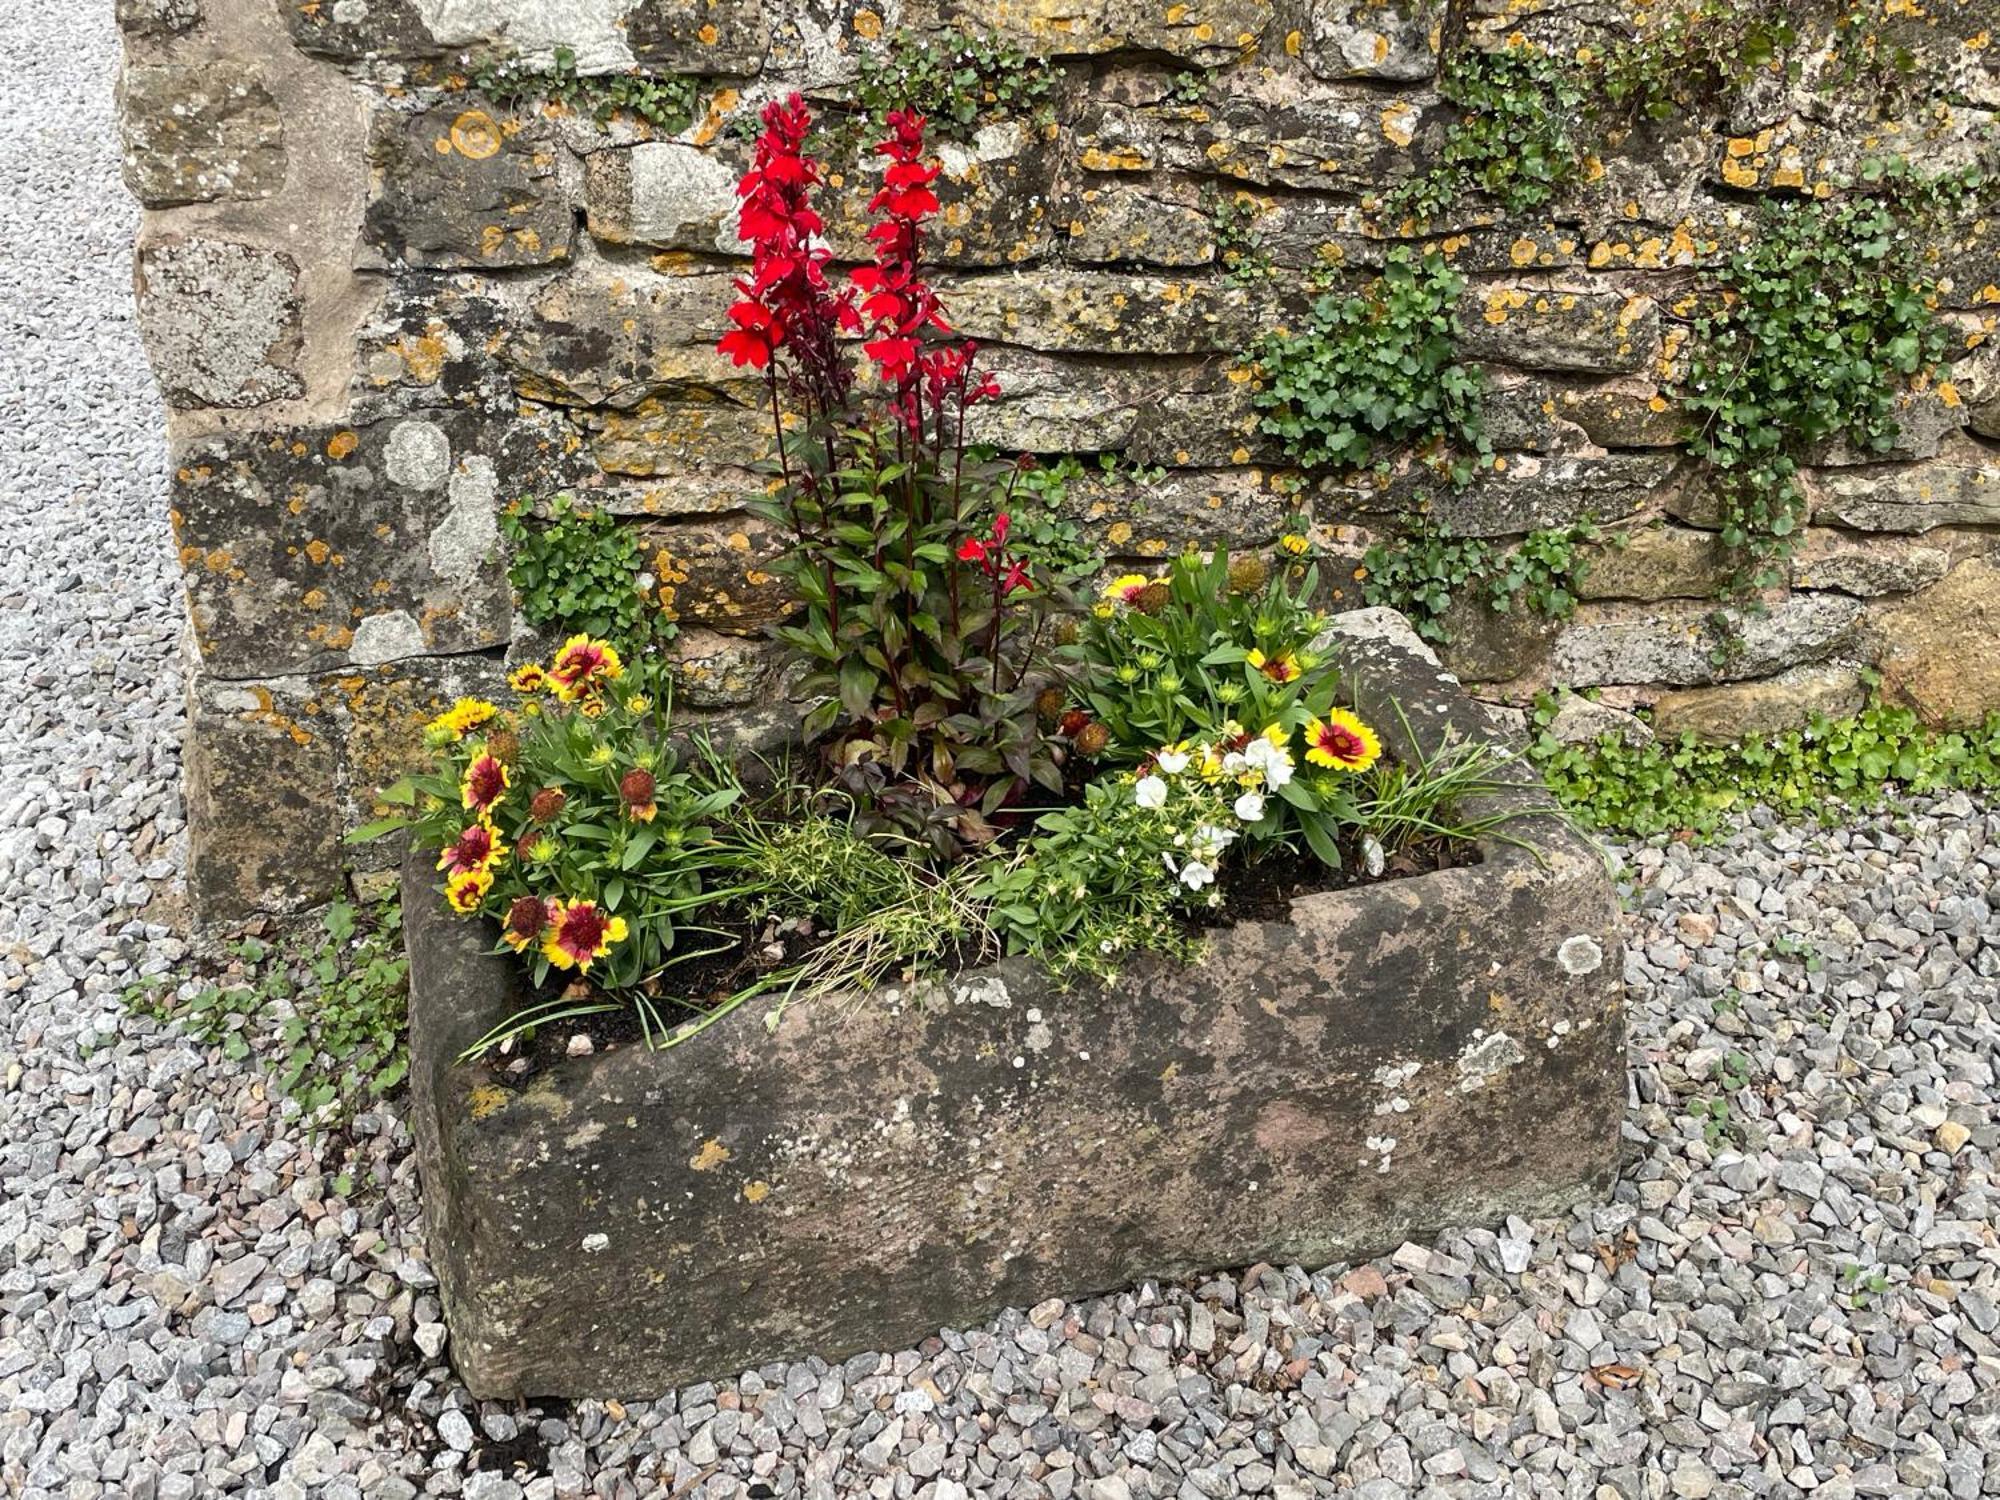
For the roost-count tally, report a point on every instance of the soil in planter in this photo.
(1259, 892)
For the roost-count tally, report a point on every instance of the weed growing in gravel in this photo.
(326, 1015)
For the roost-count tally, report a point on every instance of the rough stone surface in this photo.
(193, 134)
(221, 322)
(466, 186)
(1963, 490)
(1936, 648)
(1383, 1073)
(1739, 710)
(1605, 333)
(1686, 645)
(663, 193)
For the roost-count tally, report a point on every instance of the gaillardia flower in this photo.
(1281, 668)
(465, 889)
(547, 804)
(456, 722)
(527, 919)
(579, 933)
(1126, 588)
(583, 666)
(529, 677)
(1343, 742)
(477, 847)
(635, 790)
(485, 781)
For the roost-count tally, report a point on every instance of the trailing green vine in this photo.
(1686, 785)
(575, 570)
(1513, 137)
(1808, 331)
(957, 82)
(1422, 573)
(664, 101)
(1239, 249)
(1374, 368)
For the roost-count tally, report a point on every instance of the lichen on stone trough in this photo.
(1390, 1060)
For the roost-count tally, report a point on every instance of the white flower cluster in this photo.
(1262, 765)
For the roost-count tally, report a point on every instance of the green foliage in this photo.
(1690, 786)
(1098, 883)
(664, 101)
(1693, 55)
(1160, 661)
(1809, 331)
(327, 1014)
(1239, 249)
(956, 82)
(1513, 138)
(577, 570)
(1376, 368)
(1420, 574)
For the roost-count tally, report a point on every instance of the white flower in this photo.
(1235, 763)
(1172, 762)
(1211, 837)
(1195, 875)
(1272, 762)
(1250, 806)
(1150, 791)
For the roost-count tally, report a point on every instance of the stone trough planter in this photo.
(1392, 1060)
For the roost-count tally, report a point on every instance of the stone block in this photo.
(158, 18)
(1868, 566)
(466, 183)
(197, 133)
(220, 322)
(1655, 563)
(1625, 415)
(699, 36)
(317, 547)
(1580, 721)
(716, 574)
(1936, 649)
(1205, 428)
(1771, 705)
(1207, 32)
(1519, 415)
(1059, 404)
(1102, 312)
(594, 338)
(263, 774)
(1687, 645)
(1370, 39)
(1962, 489)
(1487, 645)
(1114, 223)
(663, 436)
(1588, 332)
(1126, 518)
(663, 193)
(1530, 492)
(1380, 1063)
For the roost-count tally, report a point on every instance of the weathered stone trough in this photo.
(1394, 1059)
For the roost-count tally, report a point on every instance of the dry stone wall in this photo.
(382, 305)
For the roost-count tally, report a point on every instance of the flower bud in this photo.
(1074, 722)
(1049, 703)
(504, 746)
(1248, 574)
(1151, 599)
(1092, 738)
(547, 804)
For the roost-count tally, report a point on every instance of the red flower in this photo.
(972, 550)
(755, 338)
(1002, 523)
(1016, 578)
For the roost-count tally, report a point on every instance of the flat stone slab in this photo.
(1391, 1060)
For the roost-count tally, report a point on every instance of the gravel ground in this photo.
(1793, 1292)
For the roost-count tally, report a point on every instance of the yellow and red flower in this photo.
(456, 722)
(635, 790)
(477, 847)
(527, 919)
(485, 782)
(583, 666)
(464, 890)
(579, 933)
(1342, 743)
(529, 677)
(1126, 588)
(1281, 669)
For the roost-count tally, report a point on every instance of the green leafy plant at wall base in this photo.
(1513, 136)
(664, 101)
(1422, 573)
(1689, 785)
